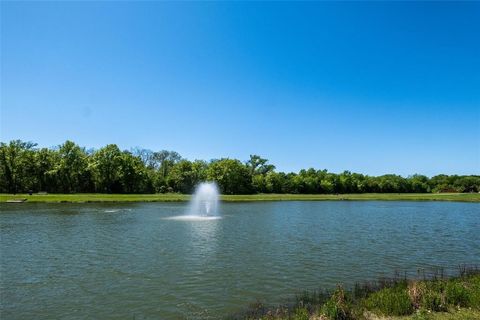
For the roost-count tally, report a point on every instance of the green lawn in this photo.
(97, 197)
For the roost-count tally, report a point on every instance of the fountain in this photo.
(205, 200)
(204, 204)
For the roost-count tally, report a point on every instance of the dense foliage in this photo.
(70, 168)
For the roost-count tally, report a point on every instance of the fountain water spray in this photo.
(205, 200)
(204, 204)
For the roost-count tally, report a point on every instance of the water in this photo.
(205, 200)
(107, 261)
(204, 204)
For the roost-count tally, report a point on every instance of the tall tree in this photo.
(185, 175)
(145, 155)
(106, 166)
(232, 176)
(71, 167)
(133, 174)
(181, 177)
(45, 161)
(16, 158)
(259, 165)
(162, 162)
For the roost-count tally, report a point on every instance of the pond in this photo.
(111, 261)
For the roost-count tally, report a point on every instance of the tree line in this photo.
(70, 168)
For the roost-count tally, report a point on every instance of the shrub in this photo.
(428, 295)
(475, 292)
(393, 301)
(457, 294)
(337, 307)
(301, 314)
(434, 301)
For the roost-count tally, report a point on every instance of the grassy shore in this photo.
(437, 298)
(98, 197)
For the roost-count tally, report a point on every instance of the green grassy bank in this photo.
(400, 299)
(97, 197)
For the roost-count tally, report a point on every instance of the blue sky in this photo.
(368, 87)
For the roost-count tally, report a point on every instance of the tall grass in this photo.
(397, 296)
(393, 301)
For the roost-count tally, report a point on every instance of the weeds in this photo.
(390, 301)
(338, 306)
(397, 296)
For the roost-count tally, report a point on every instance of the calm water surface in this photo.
(119, 261)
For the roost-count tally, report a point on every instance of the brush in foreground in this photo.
(436, 298)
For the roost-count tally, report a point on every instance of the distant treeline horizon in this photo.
(70, 168)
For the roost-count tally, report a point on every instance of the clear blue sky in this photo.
(368, 87)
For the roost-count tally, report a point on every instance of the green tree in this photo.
(181, 177)
(106, 166)
(162, 162)
(45, 160)
(71, 167)
(275, 182)
(392, 183)
(418, 183)
(185, 175)
(145, 155)
(16, 160)
(232, 176)
(466, 183)
(133, 175)
(258, 165)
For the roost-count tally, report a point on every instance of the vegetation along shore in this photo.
(69, 168)
(433, 298)
(175, 197)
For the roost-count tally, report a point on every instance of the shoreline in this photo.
(429, 298)
(174, 197)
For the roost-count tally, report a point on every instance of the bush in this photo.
(301, 314)
(457, 294)
(417, 299)
(434, 301)
(475, 292)
(337, 307)
(393, 301)
(428, 295)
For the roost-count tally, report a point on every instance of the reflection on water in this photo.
(193, 218)
(204, 237)
(148, 260)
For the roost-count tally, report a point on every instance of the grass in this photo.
(99, 197)
(437, 298)
(394, 301)
(452, 314)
